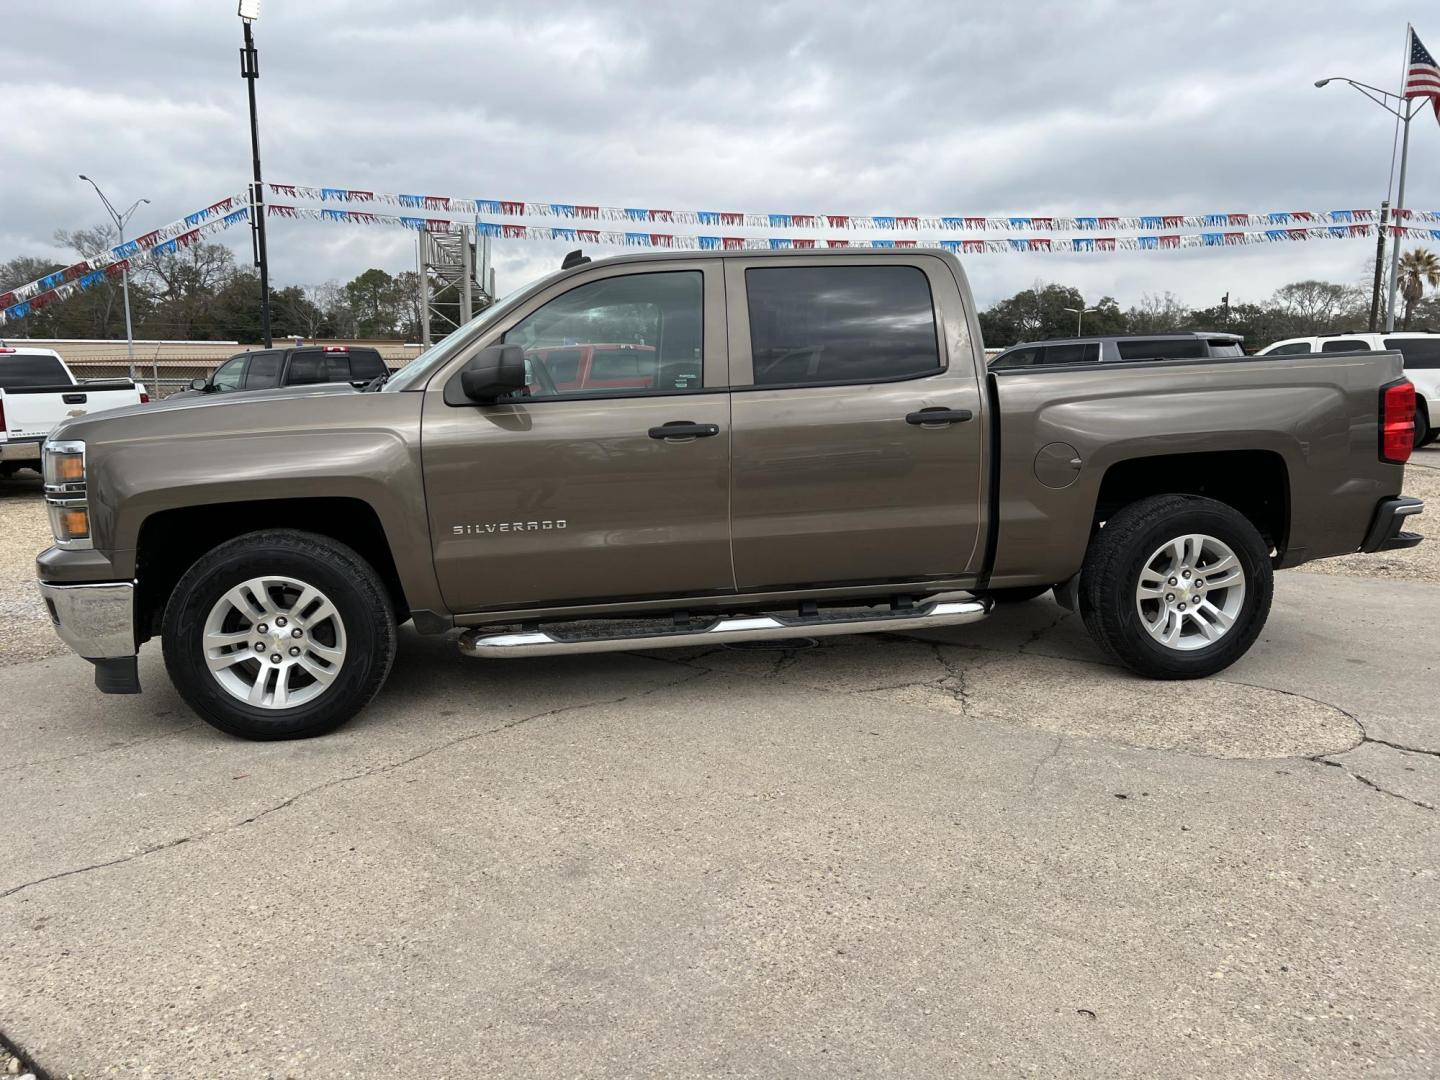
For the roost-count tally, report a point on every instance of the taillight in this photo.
(144, 398)
(1397, 422)
(2, 416)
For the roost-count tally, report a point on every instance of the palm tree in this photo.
(1418, 267)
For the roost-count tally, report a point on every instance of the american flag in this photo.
(1422, 77)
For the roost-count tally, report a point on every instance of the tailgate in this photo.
(33, 412)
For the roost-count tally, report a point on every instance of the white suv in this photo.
(1422, 366)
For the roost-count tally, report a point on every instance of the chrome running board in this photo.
(740, 628)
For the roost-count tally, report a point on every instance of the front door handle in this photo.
(676, 430)
(936, 415)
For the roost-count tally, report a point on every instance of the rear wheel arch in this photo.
(1256, 483)
(170, 541)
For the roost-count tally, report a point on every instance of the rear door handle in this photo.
(935, 415)
(684, 429)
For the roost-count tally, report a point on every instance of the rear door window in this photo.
(1162, 349)
(264, 371)
(1291, 349)
(1076, 353)
(307, 367)
(17, 370)
(1345, 345)
(817, 325)
(1421, 354)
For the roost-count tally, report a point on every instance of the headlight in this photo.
(65, 494)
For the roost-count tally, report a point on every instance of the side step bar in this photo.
(741, 628)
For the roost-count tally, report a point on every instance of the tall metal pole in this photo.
(250, 71)
(121, 220)
(1399, 216)
(1379, 265)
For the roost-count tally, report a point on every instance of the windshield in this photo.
(415, 374)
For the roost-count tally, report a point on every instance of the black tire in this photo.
(1019, 594)
(1423, 434)
(1431, 437)
(343, 576)
(1112, 569)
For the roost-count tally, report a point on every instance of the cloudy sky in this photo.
(859, 107)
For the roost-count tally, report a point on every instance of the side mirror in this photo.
(494, 372)
(199, 384)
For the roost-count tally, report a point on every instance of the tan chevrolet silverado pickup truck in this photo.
(804, 443)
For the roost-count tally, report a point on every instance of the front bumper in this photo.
(96, 620)
(21, 450)
(1385, 533)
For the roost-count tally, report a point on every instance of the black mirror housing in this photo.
(493, 373)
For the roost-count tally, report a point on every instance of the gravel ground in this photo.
(25, 631)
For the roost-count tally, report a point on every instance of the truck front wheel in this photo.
(1176, 586)
(279, 635)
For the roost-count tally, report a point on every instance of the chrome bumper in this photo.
(21, 450)
(97, 621)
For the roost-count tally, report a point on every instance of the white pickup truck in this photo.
(38, 392)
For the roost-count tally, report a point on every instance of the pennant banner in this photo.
(17, 303)
(517, 208)
(636, 238)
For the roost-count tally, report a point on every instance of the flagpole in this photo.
(1398, 216)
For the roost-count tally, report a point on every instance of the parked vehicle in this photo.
(300, 365)
(1110, 350)
(1421, 351)
(37, 392)
(841, 462)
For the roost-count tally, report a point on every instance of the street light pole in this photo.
(1403, 110)
(1080, 314)
(249, 11)
(120, 222)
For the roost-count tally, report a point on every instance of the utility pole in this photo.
(250, 71)
(1225, 305)
(1379, 265)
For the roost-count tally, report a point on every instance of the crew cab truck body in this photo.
(38, 392)
(1419, 349)
(818, 450)
(299, 365)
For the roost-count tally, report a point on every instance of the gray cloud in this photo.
(858, 107)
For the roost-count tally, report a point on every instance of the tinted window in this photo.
(840, 324)
(645, 329)
(306, 368)
(1028, 356)
(1222, 347)
(1292, 348)
(337, 367)
(366, 364)
(264, 371)
(17, 371)
(1421, 354)
(1078, 353)
(1344, 345)
(1161, 349)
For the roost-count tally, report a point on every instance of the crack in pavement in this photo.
(362, 774)
(1321, 759)
(1054, 750)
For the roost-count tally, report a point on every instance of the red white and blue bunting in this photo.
(517, 208)
(634, 238)
(181, 233)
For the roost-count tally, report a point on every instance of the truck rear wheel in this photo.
(279, 635)
(1176, 586)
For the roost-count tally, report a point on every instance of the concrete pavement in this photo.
(981, 853)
